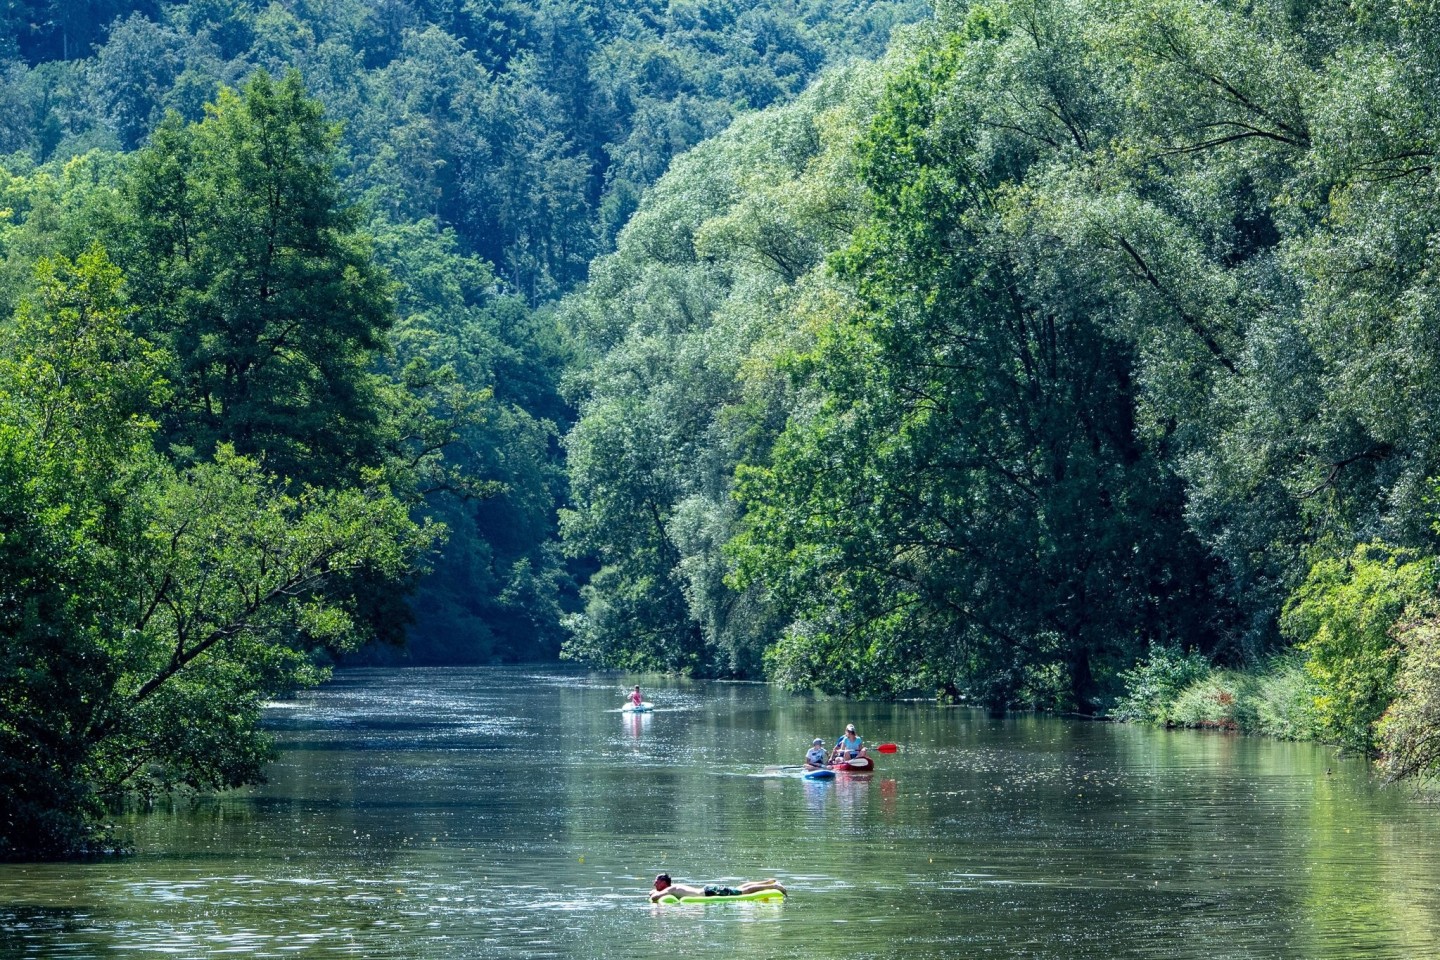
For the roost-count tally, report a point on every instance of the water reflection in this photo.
(635, 723)
(461, 813)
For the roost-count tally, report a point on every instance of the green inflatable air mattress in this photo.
(757, 895)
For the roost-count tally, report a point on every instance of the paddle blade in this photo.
(887, 748)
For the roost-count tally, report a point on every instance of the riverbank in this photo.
(1171, 689)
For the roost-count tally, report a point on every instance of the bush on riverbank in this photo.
(1285, 701)
(1176, 689)
(1406, 732)
(1364, 672)
(1345, 618)
(1153, 685)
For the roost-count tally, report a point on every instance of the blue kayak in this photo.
(821, 774)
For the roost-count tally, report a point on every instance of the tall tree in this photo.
(149, 611)
(967, 503)
(677, 333)
(248, 265)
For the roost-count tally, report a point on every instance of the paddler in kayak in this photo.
(849, 746)
(665, 887)
(815, 756)
(635, 696)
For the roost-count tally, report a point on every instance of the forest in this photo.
(1057, 354)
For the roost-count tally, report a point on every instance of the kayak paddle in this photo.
(887, 748)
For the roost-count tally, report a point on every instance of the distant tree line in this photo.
(530, 128)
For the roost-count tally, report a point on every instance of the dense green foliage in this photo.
(245, 267)
(1343, 616)
(1407, 731)
(496, 147)
(1153, 684)
(1277, 698)
(1076, 353)
(1121, 337)
(530, 128)
(681, 322)
(252, 354)
(975, 429)
(151, 606)
(198, 469)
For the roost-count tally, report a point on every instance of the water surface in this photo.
(517, 813)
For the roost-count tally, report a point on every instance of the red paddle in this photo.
(887, 748)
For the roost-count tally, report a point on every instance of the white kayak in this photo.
(642, 708)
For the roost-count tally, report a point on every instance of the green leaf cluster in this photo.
(1344, 617)
(1152, 685)
(1406, 732)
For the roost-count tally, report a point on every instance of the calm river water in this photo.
(516, 813)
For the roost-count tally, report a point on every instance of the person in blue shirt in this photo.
(849, 746)
(815, 756)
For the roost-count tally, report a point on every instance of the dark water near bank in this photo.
(513, 813)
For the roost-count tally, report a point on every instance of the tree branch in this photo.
(1189, 319)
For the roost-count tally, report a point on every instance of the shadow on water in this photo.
(41, 931)
(383, 744)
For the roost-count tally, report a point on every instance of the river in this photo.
(514, 812)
